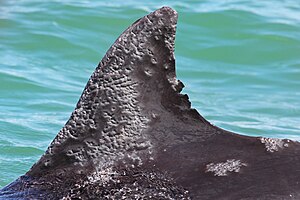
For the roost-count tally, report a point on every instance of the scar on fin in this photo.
(274, 144)
(223, 168)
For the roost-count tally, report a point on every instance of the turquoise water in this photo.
(239, 60)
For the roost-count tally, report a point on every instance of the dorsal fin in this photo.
(134, 136)
(133, 84)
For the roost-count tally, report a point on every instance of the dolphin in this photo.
(133, 135)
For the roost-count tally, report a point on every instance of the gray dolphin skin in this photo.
(133, 135)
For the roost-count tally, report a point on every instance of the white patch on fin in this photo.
(222, 169)
(103, 176)
(273, 144)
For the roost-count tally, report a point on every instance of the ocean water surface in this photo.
(239, 61)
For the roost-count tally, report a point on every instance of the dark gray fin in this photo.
(131, 93)
(131, 87)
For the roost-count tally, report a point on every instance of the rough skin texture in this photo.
(133, 135)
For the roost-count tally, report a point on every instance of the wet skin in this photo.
(133, 135)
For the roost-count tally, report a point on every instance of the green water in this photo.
(239, 60)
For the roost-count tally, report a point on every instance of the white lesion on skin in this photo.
(223, 168)
(274, 144)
